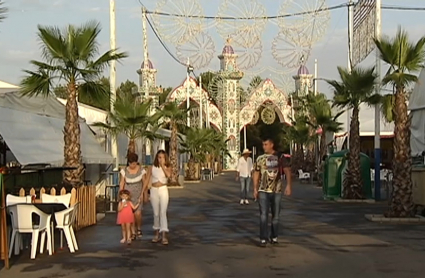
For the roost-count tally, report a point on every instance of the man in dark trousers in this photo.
(268, 182)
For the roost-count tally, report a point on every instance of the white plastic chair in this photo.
(22, 224)
(13, 200)
(60, 199)
(64, 221)
(10, 201)
(302, 175)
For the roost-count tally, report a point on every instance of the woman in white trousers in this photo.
(158, 174)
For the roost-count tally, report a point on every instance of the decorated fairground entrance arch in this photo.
(206, 114)
(227, 114)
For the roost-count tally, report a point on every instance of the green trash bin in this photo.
(335, 166)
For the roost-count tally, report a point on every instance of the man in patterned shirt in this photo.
(268, 171)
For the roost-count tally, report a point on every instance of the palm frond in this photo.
(36, 83)
(387, 107)
(403, 58)
(94, 92)
(355, 87)
(85, 42)
(3, 11)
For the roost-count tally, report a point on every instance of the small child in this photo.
(125, 215)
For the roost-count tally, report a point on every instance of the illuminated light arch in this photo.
(179, 95)
(265, 92)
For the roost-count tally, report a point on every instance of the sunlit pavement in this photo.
(212, 235)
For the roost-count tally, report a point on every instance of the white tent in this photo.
(33, 130)
(417, 113)
(367, 124)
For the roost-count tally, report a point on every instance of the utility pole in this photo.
(146, 76)
(112, 77)
(377, 110)
(201, 103)
(350, 57)
(187, 91)
(315, 77)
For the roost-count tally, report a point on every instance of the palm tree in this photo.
(356, 87)
(219, 149)
(198, 143)
(253, 84)
(299, 134)
(131, 118)
(403, 58)
(323, 119)
(3, 11)
(172, 113)
(69, 56)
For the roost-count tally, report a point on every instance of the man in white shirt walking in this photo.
(243, 174)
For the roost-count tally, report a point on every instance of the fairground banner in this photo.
(363, 30)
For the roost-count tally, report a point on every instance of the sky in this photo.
(19, 43)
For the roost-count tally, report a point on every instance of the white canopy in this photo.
(33, 130)
(417, 113)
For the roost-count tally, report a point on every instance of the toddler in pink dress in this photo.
(126, 215)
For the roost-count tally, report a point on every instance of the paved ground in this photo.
(213, 236)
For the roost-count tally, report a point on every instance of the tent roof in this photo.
(35, 139)
(417, 98)
(45, 106)
(5, 85)
(33, 130)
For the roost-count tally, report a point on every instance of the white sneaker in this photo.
(241, 202)
(246, 202)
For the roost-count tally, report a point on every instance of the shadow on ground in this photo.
(212, 235)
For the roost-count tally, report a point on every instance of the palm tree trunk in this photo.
(191, 169)
(131, 146)
(401, 200)
(310, 158)
(173, 156)
(353, 181)
(322, 153)
(72, 147)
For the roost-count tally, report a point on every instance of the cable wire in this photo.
(163, 44)
(248, 18)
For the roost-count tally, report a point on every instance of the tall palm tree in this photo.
(131, 118)
(70, 56)
(3, 11)
(403, 58)
(356, 87)
(176, 116)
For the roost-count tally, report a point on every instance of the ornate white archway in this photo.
(265, 92)
(179, 94)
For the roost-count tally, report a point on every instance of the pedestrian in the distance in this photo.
(243, 174)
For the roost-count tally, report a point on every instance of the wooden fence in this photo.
(85, 195)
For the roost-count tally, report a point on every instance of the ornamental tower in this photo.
(303, 80)
(230, 103)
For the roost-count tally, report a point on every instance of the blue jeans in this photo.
(267, 202)
(245, 183)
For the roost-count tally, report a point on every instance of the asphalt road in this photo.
(211, 235)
